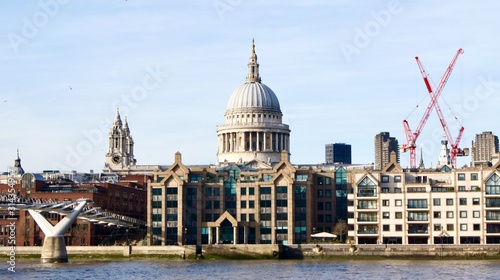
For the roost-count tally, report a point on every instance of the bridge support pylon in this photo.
(54, 247)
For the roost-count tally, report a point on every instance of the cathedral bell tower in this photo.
(120, 154)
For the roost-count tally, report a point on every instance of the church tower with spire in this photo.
(120, 154)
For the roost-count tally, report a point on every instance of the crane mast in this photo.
(412, 137)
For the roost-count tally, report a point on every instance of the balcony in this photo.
(418, 231)
(366, 193)
(368, 219)
(368, 231)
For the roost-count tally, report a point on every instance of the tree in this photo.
(340, 229)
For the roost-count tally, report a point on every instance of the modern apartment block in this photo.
(338, 153)
(484, 148)
(241, 204)
(445, 206)
(384, 145)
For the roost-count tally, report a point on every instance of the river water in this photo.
(261, 269)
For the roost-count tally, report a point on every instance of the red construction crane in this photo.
(411, 137)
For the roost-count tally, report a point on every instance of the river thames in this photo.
(261, 269)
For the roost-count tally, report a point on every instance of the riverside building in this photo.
(440, 206)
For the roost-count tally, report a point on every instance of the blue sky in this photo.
(342, 70)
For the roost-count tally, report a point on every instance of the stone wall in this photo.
(292, 251)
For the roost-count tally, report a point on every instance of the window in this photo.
(216, 191)
(320, 206)
(399, 227)
(385, 227)
(243, 191)
(385, 215)
(320, 219)
(450, 227)
(437, 201)
(417, 203)
(437, 214)
(397, 179)
(399, 215)
(449, 214)
(463, 227)
(437, 227)
(385, 202)
(320, 193)
(398, 202)
(463, 214)
(463, 201)
(208, 191)
(475, 201)
(473, 176)
(328, 206)
(449, 201)
(328, 193)
(251, 204)
(461, 188)
(476, 226)
(251, 217)
(251, 191)
(216, 204)
(243, 204)
(461, 176)
(385, 179)
(243, 217)
(475, 214)
(301, 178)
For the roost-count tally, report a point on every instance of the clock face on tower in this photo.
(116, 159)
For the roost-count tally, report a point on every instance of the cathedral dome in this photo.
(253, 96)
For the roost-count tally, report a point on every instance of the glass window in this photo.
(385, 215)
(216, 191)
(320, 205)
(243, 217)
(450, 227)
(216, 204)
(251, 191)
(385, 179)
(243, 204)
(463, 227)
(437, 227)
(437, 214)
(328, 193)
(449, 214)
(463, 201)
(399, 227)
(385, 202)
(386, 227)
(397, 179)
(399, 215)
(251, 204)
(475, 201)
(328, 206)
(320, 193)
(476, 226)
(449, 201)
(208, 191)
(437, 201)
(463, 214)
(398, 202)
(461, 176)
(243, 191)
(473, 176)
(475, 214)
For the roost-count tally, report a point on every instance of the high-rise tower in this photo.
(384, 145)
(484, 148)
